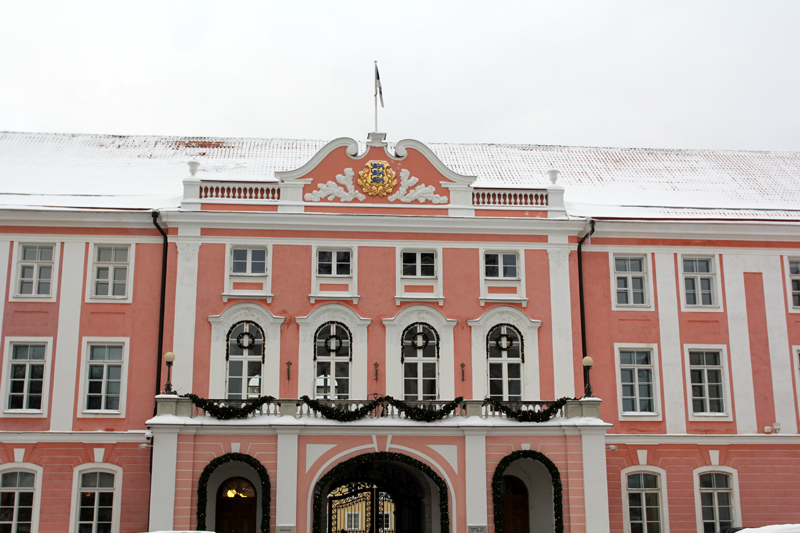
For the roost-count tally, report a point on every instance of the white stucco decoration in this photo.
(331, 190)
(420, 192)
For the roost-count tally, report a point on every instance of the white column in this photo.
(595, 484)
(670, 340)
(67, 349)
(162, 480)
(286, 484)
(475, 452)
(185, 310)
(561, 314)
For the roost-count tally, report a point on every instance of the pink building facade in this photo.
(396, 337)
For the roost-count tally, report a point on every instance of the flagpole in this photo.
(376, 95)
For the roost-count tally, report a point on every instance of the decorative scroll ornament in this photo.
(377, 179)
(420, 192)
(345, 191)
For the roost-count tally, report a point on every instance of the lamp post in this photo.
(587, 383)
(169, 358)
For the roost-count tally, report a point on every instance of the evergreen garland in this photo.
(367, 458)
(229, 413)
(202, 488)
(528, 416)
(412, 413)
(497, 481)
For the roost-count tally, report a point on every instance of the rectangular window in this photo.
(104, 377)
(419, 264)
(111, 271)
(251, 261)
(716, 501)
(636, 378)
(644, 505)
(96, 502)
(794, 278)
(26, 376)
(16, 502)
(35, 270)
(353, 521)
(385, 522)
(333, 262)
(630, 275)
(500, 265)
(699, 281)
(706, 373)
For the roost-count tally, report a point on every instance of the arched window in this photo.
(420, 359)
(504, 350)
(716, 501)
(644, 502)
(96, 502)
(17, 500)
(332, 356)
(245, 356)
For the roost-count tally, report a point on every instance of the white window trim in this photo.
(528, 328)
(727, 416)
(4, 385)
(438, 293)
(519, 281)
(270, 370)
(38, 472)
(13, 295)
(76, 490)
(789, 301)
(648, 282)
(631, 415)
(796, 367)
(662, 481)
(394, 336)
(351, 279)
(737, 507)
(82, 387)
(348, 514)
(332, 312)
(229, 293)
(717, 274)
(92, 270)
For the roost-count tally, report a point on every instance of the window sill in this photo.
(631, 307)
(333, 296)
(101, 414)
(421, 298)
(32, 298)
(24, 413)
(243, 295)
(503, 299)
(109, 299)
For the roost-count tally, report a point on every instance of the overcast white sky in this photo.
(671, 74)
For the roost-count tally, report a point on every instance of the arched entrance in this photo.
(236, 506)
(526, 493)
(380, 493)
(223, 487)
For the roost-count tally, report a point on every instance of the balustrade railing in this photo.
(510, 198)
(240, 191)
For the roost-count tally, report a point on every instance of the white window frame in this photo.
(5, 388)
(663, 493)
(737, 507)
(231, 278)
(351, 279)
(91, 273)
(83, 412)
(37, 472)
(647, 262)
(726, 386)
(436, 295)
(14, 294)
(385, 525)
(245, 359)
(505, 361)
(86, 468)
(419, 361)
(357, 515)
(324, 332)
(715, 274)
(654, 365)
(796, 367)
(518, 282)
(788, 260)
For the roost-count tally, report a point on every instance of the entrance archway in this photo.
(224, 470)
(540, 491)
(410, 492)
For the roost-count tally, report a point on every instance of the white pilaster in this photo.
(185, 310)
(561, 309)
(286, 486)
(475, 452)
(595, 484)
(67, 350)
(162, 480)
(670, 341)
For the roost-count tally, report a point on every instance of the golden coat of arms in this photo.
(377, 179)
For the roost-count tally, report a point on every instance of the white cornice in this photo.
(77, 218)
(697, 230)
(89, 437)
(714, 440)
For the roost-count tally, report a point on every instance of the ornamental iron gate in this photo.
(361, 507)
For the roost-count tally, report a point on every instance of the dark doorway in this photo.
(514, 497)
(236, 507)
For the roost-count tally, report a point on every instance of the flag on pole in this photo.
(378, 88)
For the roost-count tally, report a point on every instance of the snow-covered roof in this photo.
(111, 171)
